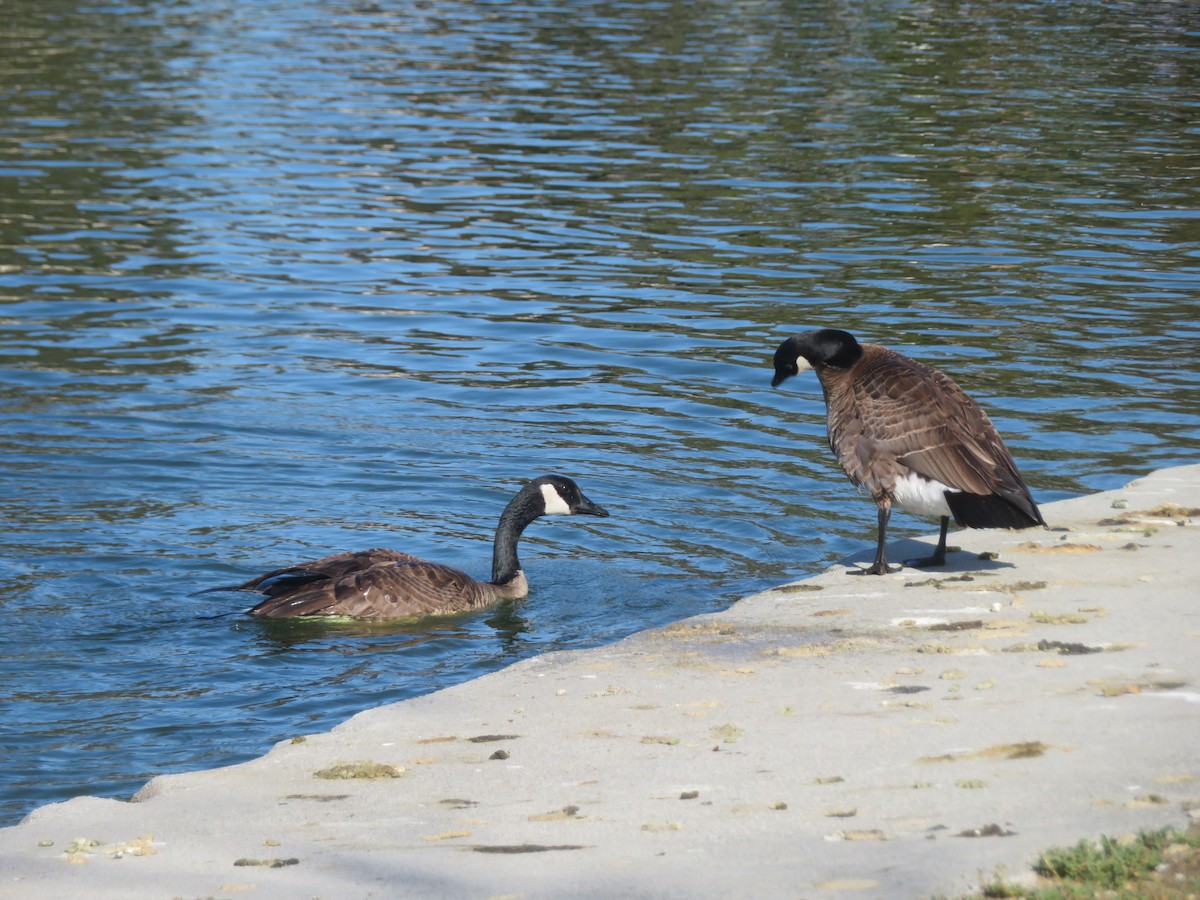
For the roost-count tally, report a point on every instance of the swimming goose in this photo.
(910, 436)
(380, 583)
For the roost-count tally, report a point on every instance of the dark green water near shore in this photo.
(279, 278)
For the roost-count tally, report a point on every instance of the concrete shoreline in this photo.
(902, 736)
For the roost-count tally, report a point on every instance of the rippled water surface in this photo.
(281, 278)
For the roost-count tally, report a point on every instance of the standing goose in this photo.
(387, 584)
(911, 437)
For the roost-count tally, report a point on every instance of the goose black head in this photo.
(561, 497)
(815, 350)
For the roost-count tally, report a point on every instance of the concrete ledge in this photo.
(842, 736)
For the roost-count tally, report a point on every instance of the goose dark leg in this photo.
(881, 567)
(939, 555)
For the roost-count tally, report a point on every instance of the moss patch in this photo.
(363, 769)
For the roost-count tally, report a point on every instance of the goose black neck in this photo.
(521, 510)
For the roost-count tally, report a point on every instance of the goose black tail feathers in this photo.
(991, 511)
(273, 585)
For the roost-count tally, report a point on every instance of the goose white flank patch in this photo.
(922, 496)
(910, 437)
(388, 584)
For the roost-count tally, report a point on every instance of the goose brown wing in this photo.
(966, 451)
(328, 568)
(392, 590)
(913, 418)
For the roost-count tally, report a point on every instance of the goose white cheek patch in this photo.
(921, 496)
(555, 504)
(802, 365)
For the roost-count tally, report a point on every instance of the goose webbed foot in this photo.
(926, 562)
(879, 567)
(939, 554)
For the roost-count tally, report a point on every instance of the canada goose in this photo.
(910, 436)
(380, 583)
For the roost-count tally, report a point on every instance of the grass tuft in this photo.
(1153, 865)
(1110, 865)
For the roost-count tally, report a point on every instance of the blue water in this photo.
(279, 279)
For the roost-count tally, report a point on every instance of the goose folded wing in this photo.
(390, 590)
(960, 447)
(914, 418)
(328, 568)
